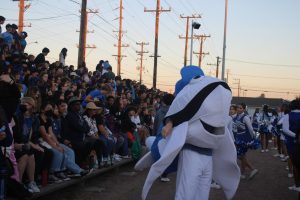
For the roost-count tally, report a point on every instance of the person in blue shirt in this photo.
(7, 36)
(99, 94)
(23, 42)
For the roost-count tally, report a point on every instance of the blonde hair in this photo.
(28, 100)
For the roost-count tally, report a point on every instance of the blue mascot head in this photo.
(187, 74)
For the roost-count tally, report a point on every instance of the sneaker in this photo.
(243, 176)
(267, 150)
(126, 157)
(276, 155)
(281, 156)
(252, 174)
(86, 172)
(290, 175)
(262, 151)
(293, 187)
(285, 159)
(103, 164)
(164, 179)
(215, 185)
(117, 157)
(53, 179)
(287, 168)
(33, 188)
(74, 175)
(62, 176)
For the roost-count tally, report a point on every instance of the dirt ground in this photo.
(271, 183)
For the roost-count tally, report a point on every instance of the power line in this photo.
(256, 90)
(75, 2)
(44, 18)
(268, 77)
(260, 63)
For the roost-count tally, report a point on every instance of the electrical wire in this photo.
(261, 63)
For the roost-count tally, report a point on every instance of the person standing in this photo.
(7, 36)
(62, 56)
(244, 136)
(265, 132)
(41, 58)
(291, 126)
(2, 20)
(196, 120)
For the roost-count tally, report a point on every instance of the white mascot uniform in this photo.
(201, 138)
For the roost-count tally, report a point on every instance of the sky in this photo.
(263, 43)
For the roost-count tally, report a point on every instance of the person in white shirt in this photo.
(62, 56)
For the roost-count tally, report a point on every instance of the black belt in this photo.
(200, 150)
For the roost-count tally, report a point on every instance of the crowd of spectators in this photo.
(66, 121)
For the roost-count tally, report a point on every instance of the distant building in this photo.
(257, 102)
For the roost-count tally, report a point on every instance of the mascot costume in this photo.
(200, 139)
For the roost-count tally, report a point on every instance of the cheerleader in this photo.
(244, 137)
(275, 130)
(256, 120)
(284, 109)
(291, 129)
(264, 128)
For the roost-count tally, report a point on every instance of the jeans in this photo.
(109, 145)
(62, 161)
(57, 163)
(69, 161)
(122, 144)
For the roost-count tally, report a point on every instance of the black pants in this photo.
(83, 149)
(42, 160)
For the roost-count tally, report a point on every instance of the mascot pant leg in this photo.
(194, 176)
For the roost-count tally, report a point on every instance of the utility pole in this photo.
(21, 15)
(224, 40)
(200, 53)
(239, 85)
(22, 9)
(82, 33)
(227, 75)
(141, 53)
(157, 11)
(120, 35)
(187, 34)
(217, 66)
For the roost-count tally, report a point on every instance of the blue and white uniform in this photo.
(275, 129)
(243, 133)
(265, 123)
(290, 125)
(255, 122)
